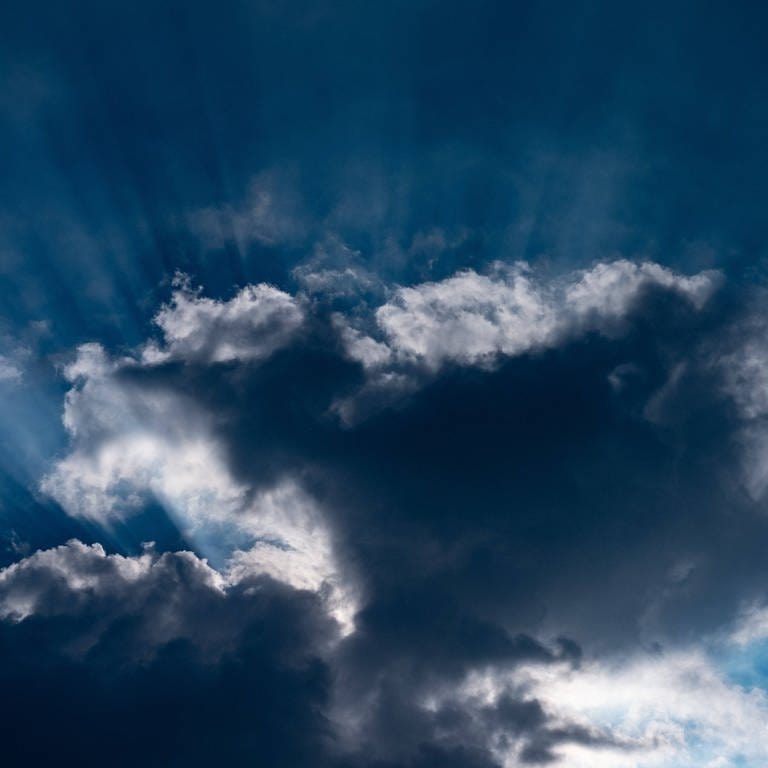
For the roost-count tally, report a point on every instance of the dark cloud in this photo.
(124, 660)
(513, 496)
(489, 508)
(152, 659)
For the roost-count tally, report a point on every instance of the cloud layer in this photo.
(532, 427)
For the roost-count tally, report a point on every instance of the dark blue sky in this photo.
(428, 344)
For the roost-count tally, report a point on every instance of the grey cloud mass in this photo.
(407, 648)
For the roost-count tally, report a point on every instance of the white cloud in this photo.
(751, 627)
(654, 710)
(678, 707)
(34, 585)
(252, 325)
(609, 290)
(468, 318)
(335, 270)
(132, 445)
(154, 597)
(473, 319)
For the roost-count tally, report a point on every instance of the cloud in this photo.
(429, 532)
(468, 318)
(258, 320)
(272, 213)
(133, 445)
(522, 703)
(752, 626)
(66, 579)
(392, 714)
(118, 615)
(744, 362)
(172, 595)
(473, 319)
(98, 648)
(9, 371)
(130, 443)
(739, 355)
(675, 708)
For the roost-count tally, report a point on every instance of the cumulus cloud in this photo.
(744, 362)
(99, 647)
(644, 710)
(254, 323)
(527, 704)
(65, 579)
(137, 610)
(752, 626)
(468, 318)
(131, 443)
(674, 708)
(473, 319)
(173, 595)
(134, 444)
(399, 710)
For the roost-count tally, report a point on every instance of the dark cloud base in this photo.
(255, 706)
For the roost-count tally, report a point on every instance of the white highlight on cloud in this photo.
(751, 627)
(256, 322)
(133, 444)
(468, 318)
(473, 319)
(54, 582)
(155, 597)
(660, 710)
(609, 290)
(679, 706)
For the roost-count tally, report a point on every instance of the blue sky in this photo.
(383, 385)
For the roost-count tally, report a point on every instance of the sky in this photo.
(383, 385)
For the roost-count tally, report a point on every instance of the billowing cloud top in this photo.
(473, 319)
(250, 326)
